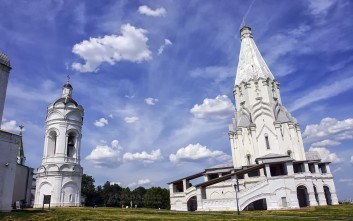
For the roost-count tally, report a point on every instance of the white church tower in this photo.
(60, 173)
(262, 125)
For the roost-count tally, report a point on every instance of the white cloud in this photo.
(284, 44)
(145, 10)
(113, 183)
(131, 120)
(144, 156)
(329, 129)
(161, 48)
(106, 156)
(10, 126)
(115, 144)
(130, 46)
(151, 101)
(326, 155)
(323, 92)
(101, 122)
(351, 159)
(219, 108)
(346, 180)
(326, 143)
(196, 152)
(219, 73)
(338, 169)
(141, 182)
(132, 184)
(320, 7)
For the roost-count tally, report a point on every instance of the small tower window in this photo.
(267, 142)
(51, 143)
(248, 158)
(71, 145)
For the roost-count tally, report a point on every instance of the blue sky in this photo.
(156, 79)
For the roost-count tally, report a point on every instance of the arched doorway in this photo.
(327, 195)
(257, 205)
(192, 204)
(303, 197)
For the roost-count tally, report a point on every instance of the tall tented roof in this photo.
(4, 60)
(251, 64)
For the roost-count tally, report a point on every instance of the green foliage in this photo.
(156, 197)
(113, 195)
(88, 190)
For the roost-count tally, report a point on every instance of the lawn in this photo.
(340, 212)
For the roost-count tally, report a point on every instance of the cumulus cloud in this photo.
(144, 156)
(197, 152)
(106, 156)
(131, 45)
(329, 129)
(131, 120)
(145, 10)
(151, 101)
(320, 7)
(141, 182)
(161, 48)
(326, 143)
(101, 122)
(326, 155)
(219, 108)
(10, 126)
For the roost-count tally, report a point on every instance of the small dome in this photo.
(4, 60)
(66, 100)
(67, 85)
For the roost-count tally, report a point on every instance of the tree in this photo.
(88, 190)
(156, 197)
(137, 196)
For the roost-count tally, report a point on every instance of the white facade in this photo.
(270, 169)
(8, 165)
(5, 68)
(60, 173)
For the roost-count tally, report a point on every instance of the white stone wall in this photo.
(8, 165)
(4, 77)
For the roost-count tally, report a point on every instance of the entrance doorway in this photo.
(192, 204)
(303, 197)
(328, 195)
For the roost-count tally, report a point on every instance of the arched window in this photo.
(71, 140)
(248, 158)
(267, 142)
(52, 143)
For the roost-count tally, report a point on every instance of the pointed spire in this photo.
(20, 154)
(251, 65)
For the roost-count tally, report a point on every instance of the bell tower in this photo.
(60, 173)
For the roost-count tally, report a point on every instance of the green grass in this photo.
(339, 212)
